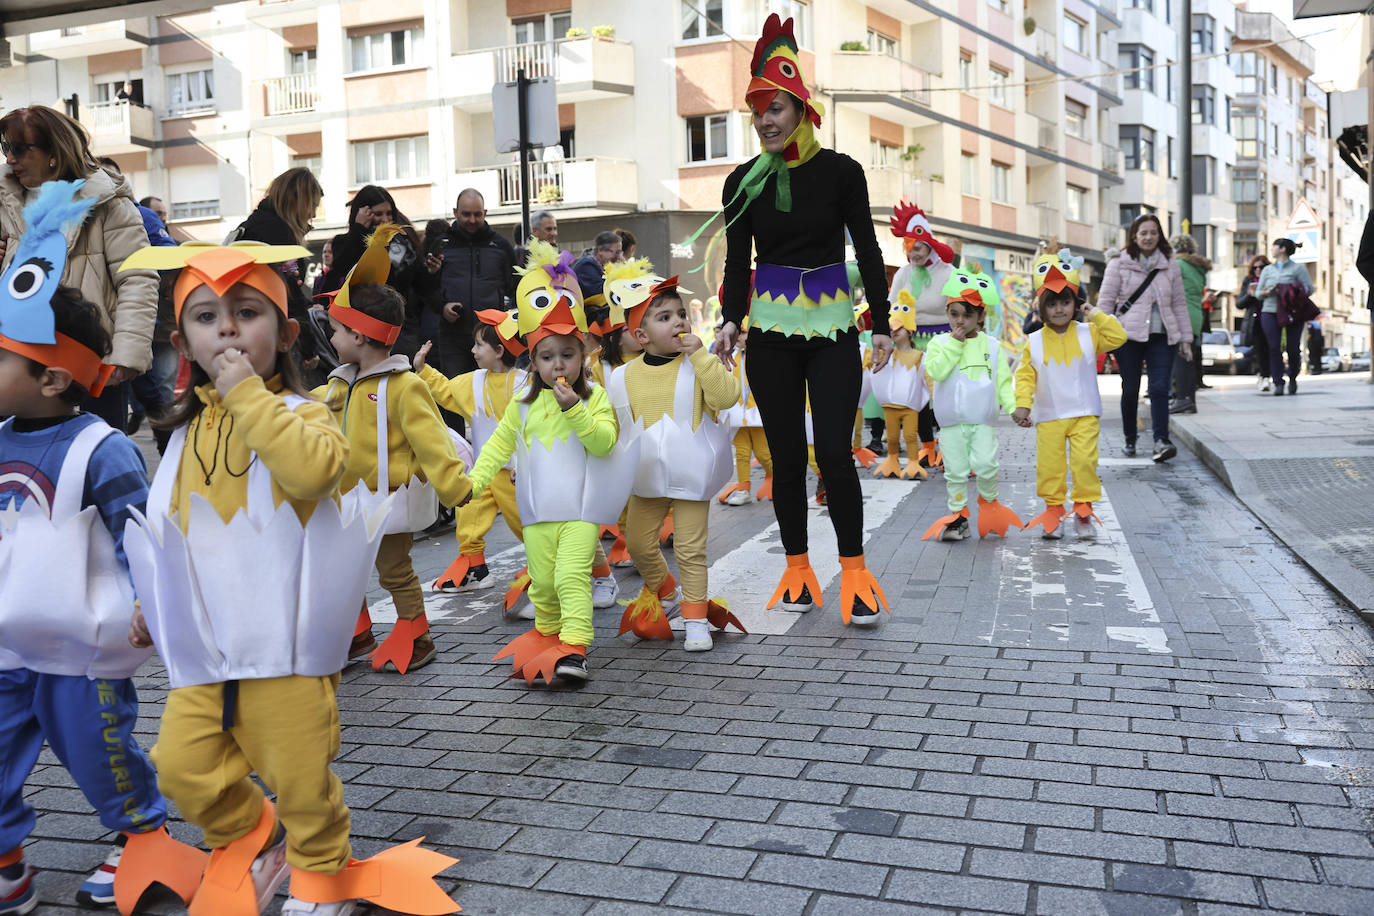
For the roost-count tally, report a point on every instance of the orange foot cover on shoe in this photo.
(518, 586)
(857, 582)
(399, 646)
(1085, 510)
(718, 615)
(891, 466)
(619, 552)
(940, 523)
(453, 576)
(644, 615)
(156, 858)
(865, 456)
(930, 453)
(667, 530)
(795, 577)
(765, 490)
(533, 654)
(1050, 518)
(993, 516)
(733, 488)
(227, 888)
(400, 879)
(913, 469)
(608, 532)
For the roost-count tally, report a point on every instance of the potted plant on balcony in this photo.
(1028, 25)
(854, 46)
(575, 32)
(550, 194)
(604, 32)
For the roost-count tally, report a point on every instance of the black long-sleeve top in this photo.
(829, 193)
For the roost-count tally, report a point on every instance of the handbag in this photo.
(1139, 290)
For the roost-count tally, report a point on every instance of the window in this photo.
(195, 209)
(401, 159)
(997, 87)
(1172, 165)
(999, 5)
(1076, 119)
(965, 70)
(708, 23)
(1075, 34)
(1138, 143)
(800, 13)
(879, 43)
(1288, 145)
(1274, 199)
(884, 155)
(1133, 58)
(379, 50)
(1146, 5)
(708, 138)
(548, 27)
(1001, 183)
(1251, 69)
(1204, 105)
(1076, 204)
(968, 173)
(312, 163)
(1204, 175)
(1128, 212)
(1244, 246)
(188, 92)
(301, 61)
(1204, 34)
(119, 90)
(1248, 129)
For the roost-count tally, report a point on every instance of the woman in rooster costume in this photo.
(792, 204)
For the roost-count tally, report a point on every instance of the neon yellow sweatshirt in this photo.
(945, 356)
(592, 421)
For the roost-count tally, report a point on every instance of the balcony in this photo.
(118, 127)
(589, 186)
(294, 94)
(1249, 214)
(1045, 45)
(1266, 27)
(1046, 134)
(1110, 235)
(887, 183)
(882, 85)
(1310, 147)
(1048, 224)
(87, 40)
(585, 69)
(1110, 157)
(1313, 96)
(280, 14)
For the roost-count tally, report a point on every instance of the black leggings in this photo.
(780, 373)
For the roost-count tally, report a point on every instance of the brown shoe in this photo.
(362, 645)
(424, 652)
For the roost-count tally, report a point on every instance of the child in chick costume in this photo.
(750, 441)
(971, 380)
(900, 388)
(250, 578)
(66, 598)
(397, 443)
(672, 394)
(571, 474)
(1056, 390)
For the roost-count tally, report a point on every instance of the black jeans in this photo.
(1158, 357)
(1292, 346)
(781, 371)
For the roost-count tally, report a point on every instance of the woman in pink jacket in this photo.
(1143, 288)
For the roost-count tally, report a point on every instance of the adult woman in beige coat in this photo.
(40, 145)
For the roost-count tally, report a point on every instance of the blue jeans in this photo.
(1269, 321)
(1158, 357)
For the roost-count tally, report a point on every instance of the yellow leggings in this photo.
(285, 728)
(689, 542)
(1051, 470)
(751, 439)
(902, 420)
(476, 518)
(560, 560)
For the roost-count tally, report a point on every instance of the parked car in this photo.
(1333, 360)
(1360, 362)
(1245, 360)
(1218, 354)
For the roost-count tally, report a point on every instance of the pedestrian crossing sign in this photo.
(1309, 240)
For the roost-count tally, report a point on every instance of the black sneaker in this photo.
(875, 445)
(1292, 386)
(861, 615)
(1188, 406)
(571, 668)
(476, 579)
(1128, 450)
(1163, 450)
(802, 603)
(956, 530)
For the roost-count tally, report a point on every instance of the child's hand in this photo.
(139, 637)
(563, 394)
(1021, 417)
(688, 343)
(1089, 310)
(958, 334)
(229, 368)
(419, 361)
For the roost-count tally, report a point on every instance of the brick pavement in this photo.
(1177, 724)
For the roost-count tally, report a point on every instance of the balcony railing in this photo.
(1110, 235)
(109, 118)
(1047, 134)
(1045, 45)
(583, 181)
(118, 126)
(1249, 213)
(292, 94)
(1111, 158)
(585, 69)
(871, 70)
(540, 58)
(1049, 224)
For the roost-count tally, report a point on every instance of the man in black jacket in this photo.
(475, 271)
(1364, 263)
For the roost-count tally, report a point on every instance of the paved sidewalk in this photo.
(1173, 718)
(1304, 465)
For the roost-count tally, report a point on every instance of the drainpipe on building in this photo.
(1185, 130)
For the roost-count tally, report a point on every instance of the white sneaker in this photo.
(269, 870)
(801, 604)
(698, 636)
(525, 611)
(673, 606)
(605, 591)
(98, 890)
(739, 498)
(17, 893)
(1056, 535)
(1263, 384)
(1083, 527)
(294, 907)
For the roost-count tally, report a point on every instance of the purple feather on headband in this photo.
(563, 269)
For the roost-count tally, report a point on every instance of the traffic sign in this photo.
(1303, 216)
(1309, 240)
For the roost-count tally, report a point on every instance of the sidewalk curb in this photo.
(1354, 587)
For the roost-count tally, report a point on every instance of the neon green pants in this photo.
(560, 561)
(969, 447)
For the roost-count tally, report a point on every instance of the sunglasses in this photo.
(16, 149)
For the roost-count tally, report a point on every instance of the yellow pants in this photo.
(902, 420)
(560, 559)
(476, 518)
(689, 543)
(285, 728)
(1051, 471)
(396, 574)
(858, 428)
(750, 439)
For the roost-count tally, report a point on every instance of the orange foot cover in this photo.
(890, 467)
(227, 888)
(795, 577)
(765, 490)
(667, 530)
(399, 646)
(533, 654)
(364, 621)
(733, 488)
(156, 858)
(1050, 518)
(644, 616)
(865, 456)
(993, 516)
(453, 576)
(619, 552)
(518, 586)
(857, 582)
(400, 878)
(940, 523)
(913, 469)
(718, 615)
(1085, 510)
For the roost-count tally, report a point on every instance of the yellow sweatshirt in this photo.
(455, 393)
(417, 440)
(911, 359)
(651, 388)
(592, 421)
(303, 448)
(1107, 335)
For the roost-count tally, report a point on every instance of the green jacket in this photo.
(1194, 270)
